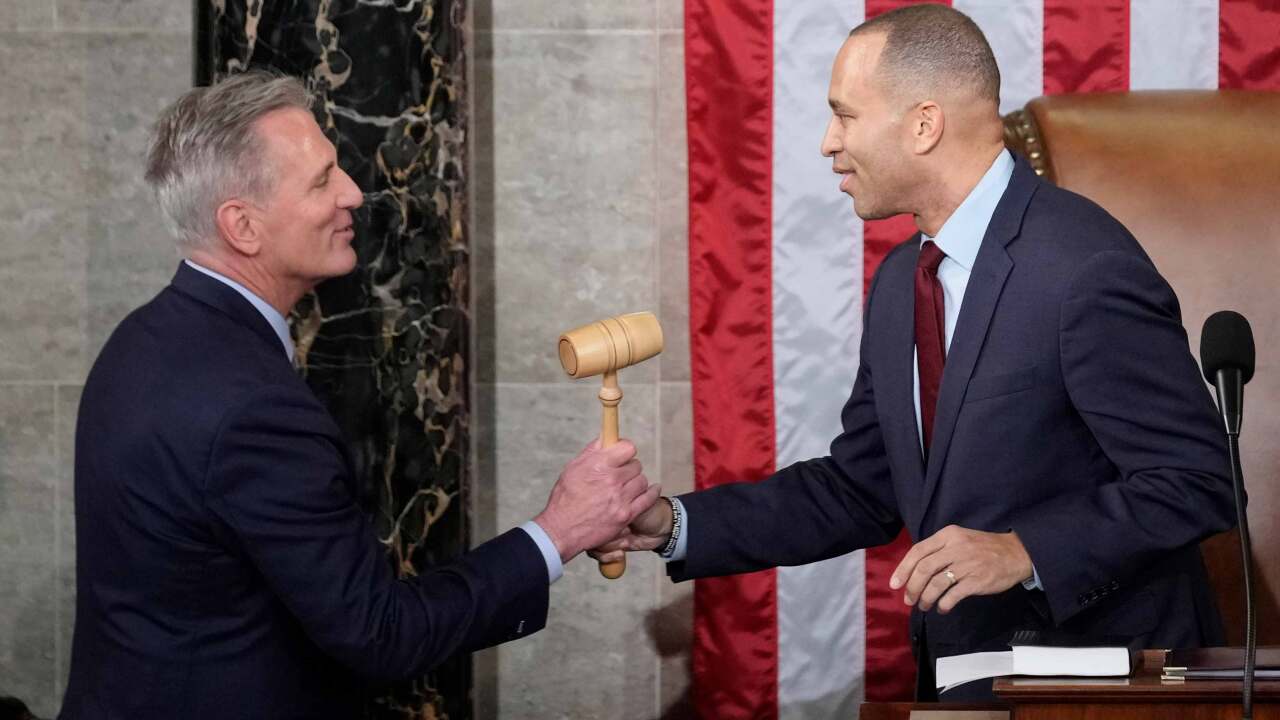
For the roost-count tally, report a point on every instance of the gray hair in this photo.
(205, 150)
(928, 47)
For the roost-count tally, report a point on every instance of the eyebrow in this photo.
(323, 172)
(836, 105)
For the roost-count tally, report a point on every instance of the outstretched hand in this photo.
(599, 492)
(955, 563)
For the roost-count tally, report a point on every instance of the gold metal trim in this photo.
(1023, 136)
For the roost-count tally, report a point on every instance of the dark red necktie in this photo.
(931, 340)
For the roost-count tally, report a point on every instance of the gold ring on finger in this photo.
(951, 577)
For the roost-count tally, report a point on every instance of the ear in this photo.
(927, 125)
(238, 228)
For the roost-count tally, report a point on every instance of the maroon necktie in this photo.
(930, 335)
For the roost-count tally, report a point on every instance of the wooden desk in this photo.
(931, 711)
(1142, 696)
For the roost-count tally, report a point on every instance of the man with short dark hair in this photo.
(223, 567)
(1026, 403)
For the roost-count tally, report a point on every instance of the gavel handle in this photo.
(610, 396)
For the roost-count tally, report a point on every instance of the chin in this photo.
(873, 212)
(342, 264)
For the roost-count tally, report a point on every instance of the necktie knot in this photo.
(930, 257)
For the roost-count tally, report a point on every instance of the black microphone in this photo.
(1227, 359)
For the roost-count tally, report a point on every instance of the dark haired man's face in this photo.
(867, 138)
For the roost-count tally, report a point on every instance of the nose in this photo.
(831, 139)
(351, 197)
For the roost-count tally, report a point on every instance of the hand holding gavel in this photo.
(597, 495)
(604, 348)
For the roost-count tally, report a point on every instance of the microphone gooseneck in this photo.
(1227, 360)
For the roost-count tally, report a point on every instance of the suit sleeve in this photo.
(810, 511)
(1130, 375)
(277, 487)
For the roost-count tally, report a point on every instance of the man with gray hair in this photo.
(223, 566)
(1025, 405)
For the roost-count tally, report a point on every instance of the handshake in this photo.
(604, 504)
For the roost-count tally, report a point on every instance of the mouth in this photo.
(845, 177)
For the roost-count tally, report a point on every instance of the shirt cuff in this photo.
(682, 534)
(555, 568)
(1033, 582)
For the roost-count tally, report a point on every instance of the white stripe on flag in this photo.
(1015, 30)
(1173, 44)
(817, 304)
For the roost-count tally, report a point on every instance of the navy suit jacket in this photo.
(1070, 411)
(223, 567)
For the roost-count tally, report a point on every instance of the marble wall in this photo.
(80, 245)
(580, 213)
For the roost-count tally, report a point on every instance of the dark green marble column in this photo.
(387, 346)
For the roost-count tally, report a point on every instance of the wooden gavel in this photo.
(605, 347)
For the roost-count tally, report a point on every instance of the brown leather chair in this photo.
(1195, 176)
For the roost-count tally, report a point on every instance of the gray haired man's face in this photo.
(307, 220)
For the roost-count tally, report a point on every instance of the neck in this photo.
(961, 175)
(278, 293)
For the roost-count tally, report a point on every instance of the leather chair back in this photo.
(1195, 176)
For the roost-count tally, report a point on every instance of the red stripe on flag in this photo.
(1248, 54)
(1086, 46)
(729, 87)
(890, 672)
(878, 238)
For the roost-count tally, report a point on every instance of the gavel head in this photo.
(610, 344)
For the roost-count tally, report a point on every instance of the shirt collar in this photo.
(273, 316)
(961, 235)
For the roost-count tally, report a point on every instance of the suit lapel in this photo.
(991, 269)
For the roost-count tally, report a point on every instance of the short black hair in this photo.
(928, 46)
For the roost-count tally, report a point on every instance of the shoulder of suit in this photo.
(181, 346)
(1079, 226)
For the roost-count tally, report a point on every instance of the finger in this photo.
(632, 487)
(619, 453)
(607, 557)
(619, 543)
(938, 586)
(918, 551)
(645, 500)
(925, 570)
(593, 445)
(629, 469)
(963, 588)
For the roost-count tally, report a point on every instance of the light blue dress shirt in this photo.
(959, 239)
(555, 568)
